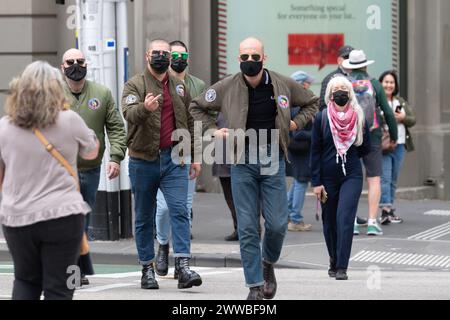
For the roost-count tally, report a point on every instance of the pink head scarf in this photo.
(344, 128)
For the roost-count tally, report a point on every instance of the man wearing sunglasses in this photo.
(258, 99)
(95, 104)
(155, 104)
(195, 86)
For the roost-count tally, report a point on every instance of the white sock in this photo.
(372, 222)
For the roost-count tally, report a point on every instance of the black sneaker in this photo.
(393, 218)
(341, 274)
(385, 217)
(361, 222)
(232, 237)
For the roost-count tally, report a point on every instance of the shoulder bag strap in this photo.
(58, 156)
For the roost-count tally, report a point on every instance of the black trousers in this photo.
(226, 186)
(338, 217)
(42, 254)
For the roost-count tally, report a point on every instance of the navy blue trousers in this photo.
(338, 215)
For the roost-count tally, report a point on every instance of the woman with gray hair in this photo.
(340, 138)
(42, 211)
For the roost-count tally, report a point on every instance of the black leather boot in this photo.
(186, 277)
(256, 293)
(270, 285)
(148, 280)
(162, 260)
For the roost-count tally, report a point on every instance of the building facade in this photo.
(42, 30)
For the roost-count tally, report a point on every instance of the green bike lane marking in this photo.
(8, 268)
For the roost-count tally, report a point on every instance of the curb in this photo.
(197, 260)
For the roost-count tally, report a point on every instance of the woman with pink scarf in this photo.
(340, 138)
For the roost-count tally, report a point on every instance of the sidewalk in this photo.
(212, 222)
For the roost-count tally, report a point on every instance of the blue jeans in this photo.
(89, 181)
(250, 187)
(296, 199)
(392, 164)
(146, 178)
(163, 217)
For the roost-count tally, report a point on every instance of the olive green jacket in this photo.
(97, 108)
(144, 126)
(409, 122)
(195, 85)
(230, 96)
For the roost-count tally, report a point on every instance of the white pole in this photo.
(78, 23)
(122, 65)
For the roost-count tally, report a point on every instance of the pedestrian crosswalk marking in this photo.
(107, 287)
(410, 259)
(437, 213)
(2, 241)
(433, 233)
(202, 270)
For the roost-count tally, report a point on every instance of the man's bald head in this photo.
(251, 45)
(159, 44)
(72, 54)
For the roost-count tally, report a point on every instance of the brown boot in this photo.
(270, 284)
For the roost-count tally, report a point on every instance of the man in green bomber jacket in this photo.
(95, 104)
(155, 105)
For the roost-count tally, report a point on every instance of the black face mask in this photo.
(251, 68)
(75, 72)
(341, 98)
(179, 65)
(160, 64)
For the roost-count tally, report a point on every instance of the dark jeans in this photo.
(89, 181)
(42, 254)
(338, 217)
(251, 187)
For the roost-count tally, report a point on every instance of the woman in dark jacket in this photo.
(299, 169)
(340, 138)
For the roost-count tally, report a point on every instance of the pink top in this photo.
(36, 186)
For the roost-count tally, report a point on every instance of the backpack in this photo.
(366, 96)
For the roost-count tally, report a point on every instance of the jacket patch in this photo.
(131, 99)
(94, 104)
(180, 90)
(211, 95)
(283, 102)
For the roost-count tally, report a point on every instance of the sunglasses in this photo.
(71, 62)
(255, 57)
(157, 53)
(178, 55)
